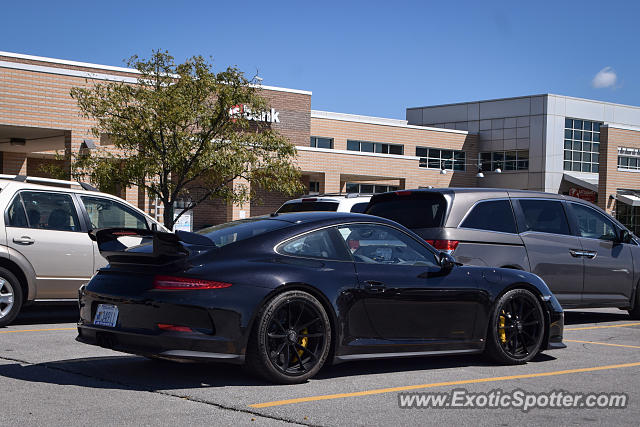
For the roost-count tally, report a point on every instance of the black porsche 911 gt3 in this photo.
(288, 293)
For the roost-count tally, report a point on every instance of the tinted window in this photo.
(16, 214)
(308, 207)
(106, 213)
(44, 210)
(242, 229)
(593, 224)
(359, 207)
(318, 244)
(379, 244)
(494, 215)
(415, 210)
(545, 216)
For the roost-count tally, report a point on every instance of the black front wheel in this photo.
(516, 329)
(291, 339)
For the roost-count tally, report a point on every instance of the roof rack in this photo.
(51, 181)
(347, 195)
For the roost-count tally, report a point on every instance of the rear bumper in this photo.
(166, 345)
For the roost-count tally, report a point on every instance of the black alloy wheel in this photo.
(291, 340)
(516, 329)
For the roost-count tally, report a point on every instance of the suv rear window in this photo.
(413, 210)
(491, 215)
(242, 229)
(308, 207)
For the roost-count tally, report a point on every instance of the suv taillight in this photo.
(444, 245)
(185, 283)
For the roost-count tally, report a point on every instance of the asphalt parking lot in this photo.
(47, 377)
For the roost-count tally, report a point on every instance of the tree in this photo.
(184, 132)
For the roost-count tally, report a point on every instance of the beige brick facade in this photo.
(611, 179)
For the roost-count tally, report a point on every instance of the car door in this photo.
(44, 228)
(103, 212)
(608, 263)
(407, 297)
(553, 251)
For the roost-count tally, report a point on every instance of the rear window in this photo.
(235, 231)
(416, 210)
(308, 207)
(491, 215)
(359, 207)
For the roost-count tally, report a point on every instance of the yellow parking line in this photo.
(36, 330)
(602, 327)
(603, 343)
(441, 384)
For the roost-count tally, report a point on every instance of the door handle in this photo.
(24, 240)
(589, 254)
(374, 286)
(576, 253)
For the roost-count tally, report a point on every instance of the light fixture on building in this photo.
(498, 170)
(18, 141)
(480, 174)
(443, 171)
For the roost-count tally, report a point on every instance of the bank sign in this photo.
(261, 116)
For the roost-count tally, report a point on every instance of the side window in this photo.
(317, 244)
(492, 215)
(379, 244)
(15, 214)
(106, 213)
(45, 210)
(593, 224)
(359, 207)
(546, 216)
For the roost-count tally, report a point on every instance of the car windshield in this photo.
(235, 231)
(308, 207)
(414, 210)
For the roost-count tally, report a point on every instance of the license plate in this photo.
(106, 315)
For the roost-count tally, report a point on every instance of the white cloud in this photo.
(606, 77)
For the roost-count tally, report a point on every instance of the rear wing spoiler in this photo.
(166, 247)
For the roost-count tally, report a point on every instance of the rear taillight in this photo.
(175, 328)
(178, 283)
(444, 245)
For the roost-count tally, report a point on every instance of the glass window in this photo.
(367, 147)
(320, 142)
(379, 244)
(546, 216)
(366, 188)
(494, 215)
(438, 158)
(313, 245)
(16, 214)
(50, 211)
(353, 145)
(568, 123)
(396, 149)
(308, 206)
(592, 223)
(106, 213)
(582, 132)
(359, 207)
(415, 210)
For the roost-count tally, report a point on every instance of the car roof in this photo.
(317, 217)
(331, 198)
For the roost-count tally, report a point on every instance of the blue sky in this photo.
(362, 57)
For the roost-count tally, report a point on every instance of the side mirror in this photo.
(624, 237)
(447, 261)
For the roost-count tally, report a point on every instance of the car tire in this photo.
(10, 297)
(516, 328)
(635, 311)
(290, 339)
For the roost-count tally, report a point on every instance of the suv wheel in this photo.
(10, 297)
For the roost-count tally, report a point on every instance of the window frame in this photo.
(520, 216)
(452, 161)
(576, 225)
(313, 142)
(335, 238)
(376, 145)
(580, 135)
(513, 213)
(83, 226)
(87, 218)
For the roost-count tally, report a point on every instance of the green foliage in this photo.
(173, 134)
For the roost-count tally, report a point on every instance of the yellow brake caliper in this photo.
(303, 342)
(501, 331)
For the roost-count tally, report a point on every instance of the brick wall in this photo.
(610, 178)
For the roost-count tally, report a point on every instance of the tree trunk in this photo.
(168, 215)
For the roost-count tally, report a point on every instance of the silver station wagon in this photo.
(586, 257)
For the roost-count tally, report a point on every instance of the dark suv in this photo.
(585, 256)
